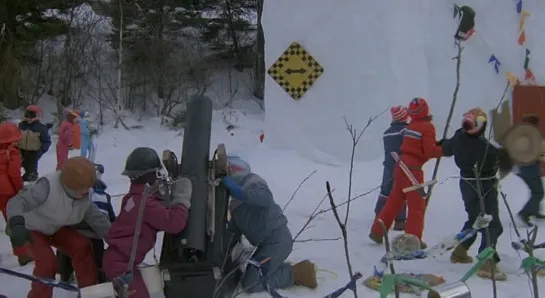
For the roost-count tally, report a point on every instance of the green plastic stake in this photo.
(483, 256)
(529, 263)
(389, 282)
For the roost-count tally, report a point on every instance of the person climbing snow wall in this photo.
(466, 17)
(392, 138)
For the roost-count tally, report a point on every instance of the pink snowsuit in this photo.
(156, 218)
(66, 137)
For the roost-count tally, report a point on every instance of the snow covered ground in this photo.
(284, 170)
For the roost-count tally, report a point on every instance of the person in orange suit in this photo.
(11, 181)
(419, 145)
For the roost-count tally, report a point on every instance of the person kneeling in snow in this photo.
(471, 149)
(103, 201)
(255, 215)
(44, 215)
(143, 167)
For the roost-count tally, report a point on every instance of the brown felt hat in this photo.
(78, 173)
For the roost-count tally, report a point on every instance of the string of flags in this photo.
(528, 74)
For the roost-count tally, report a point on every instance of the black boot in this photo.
(525, 218)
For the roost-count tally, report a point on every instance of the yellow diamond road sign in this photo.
(295, 71)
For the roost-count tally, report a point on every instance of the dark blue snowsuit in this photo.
(392, 138)
(531, 174)
(255, 215)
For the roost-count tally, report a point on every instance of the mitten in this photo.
(234, 189)
(181, 192)
(18, 232)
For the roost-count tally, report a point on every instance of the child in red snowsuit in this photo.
(66, 138)
(142, 168)
(11, 181)
(419, 145)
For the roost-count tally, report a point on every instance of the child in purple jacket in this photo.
(142, 167)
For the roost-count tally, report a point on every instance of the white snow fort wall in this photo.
(330, 60)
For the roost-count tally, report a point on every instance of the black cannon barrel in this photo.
(195, 158)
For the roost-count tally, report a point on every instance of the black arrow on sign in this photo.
(299, 71)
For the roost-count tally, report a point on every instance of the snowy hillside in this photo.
(378, 53)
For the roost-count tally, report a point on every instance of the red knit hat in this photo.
(399, 113)
(418, 108)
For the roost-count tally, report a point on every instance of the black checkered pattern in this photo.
(314, 71)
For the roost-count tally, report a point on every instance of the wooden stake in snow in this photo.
(458, 59)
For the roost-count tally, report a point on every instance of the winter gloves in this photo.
(181, 192)
(234, 189)
(18, 232)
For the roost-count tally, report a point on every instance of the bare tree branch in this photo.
(297, 189)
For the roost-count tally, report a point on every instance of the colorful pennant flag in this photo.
(529, 77)
(513, 80)
(523, 17)
(495, 62)
(519, 6)
(527, 59)
(522, 38)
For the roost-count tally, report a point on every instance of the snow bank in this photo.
(381, 53)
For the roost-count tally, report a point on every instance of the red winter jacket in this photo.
(419, 143)
(157, 218)
(10, 170)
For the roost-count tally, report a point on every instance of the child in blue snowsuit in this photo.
(103, 201)
(392, 138)
(86, 132)
(255, 215)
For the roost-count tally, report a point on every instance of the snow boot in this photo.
(376, 238)
(459, 256)
(304, 274)
(423, 245)
(399, 226)
(525, 218)
(486, 272)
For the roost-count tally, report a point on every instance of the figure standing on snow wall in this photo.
(419, 146)
(66, 138)
(33, 220)
(87, 131)
(531, 175)
(143, 167)
(10, 176)
(392, 138)
(471, 149)
(255, 215)
(35, 142)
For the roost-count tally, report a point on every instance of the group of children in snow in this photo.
(412, 135)
(58, 211)
(70, 210)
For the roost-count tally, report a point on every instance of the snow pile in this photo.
(377, 54)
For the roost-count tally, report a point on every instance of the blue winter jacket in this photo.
(84, 129)
(254, 212)
(38, 127)
(532, 171)
(392, 138)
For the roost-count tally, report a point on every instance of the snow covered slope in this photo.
(379, 53)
